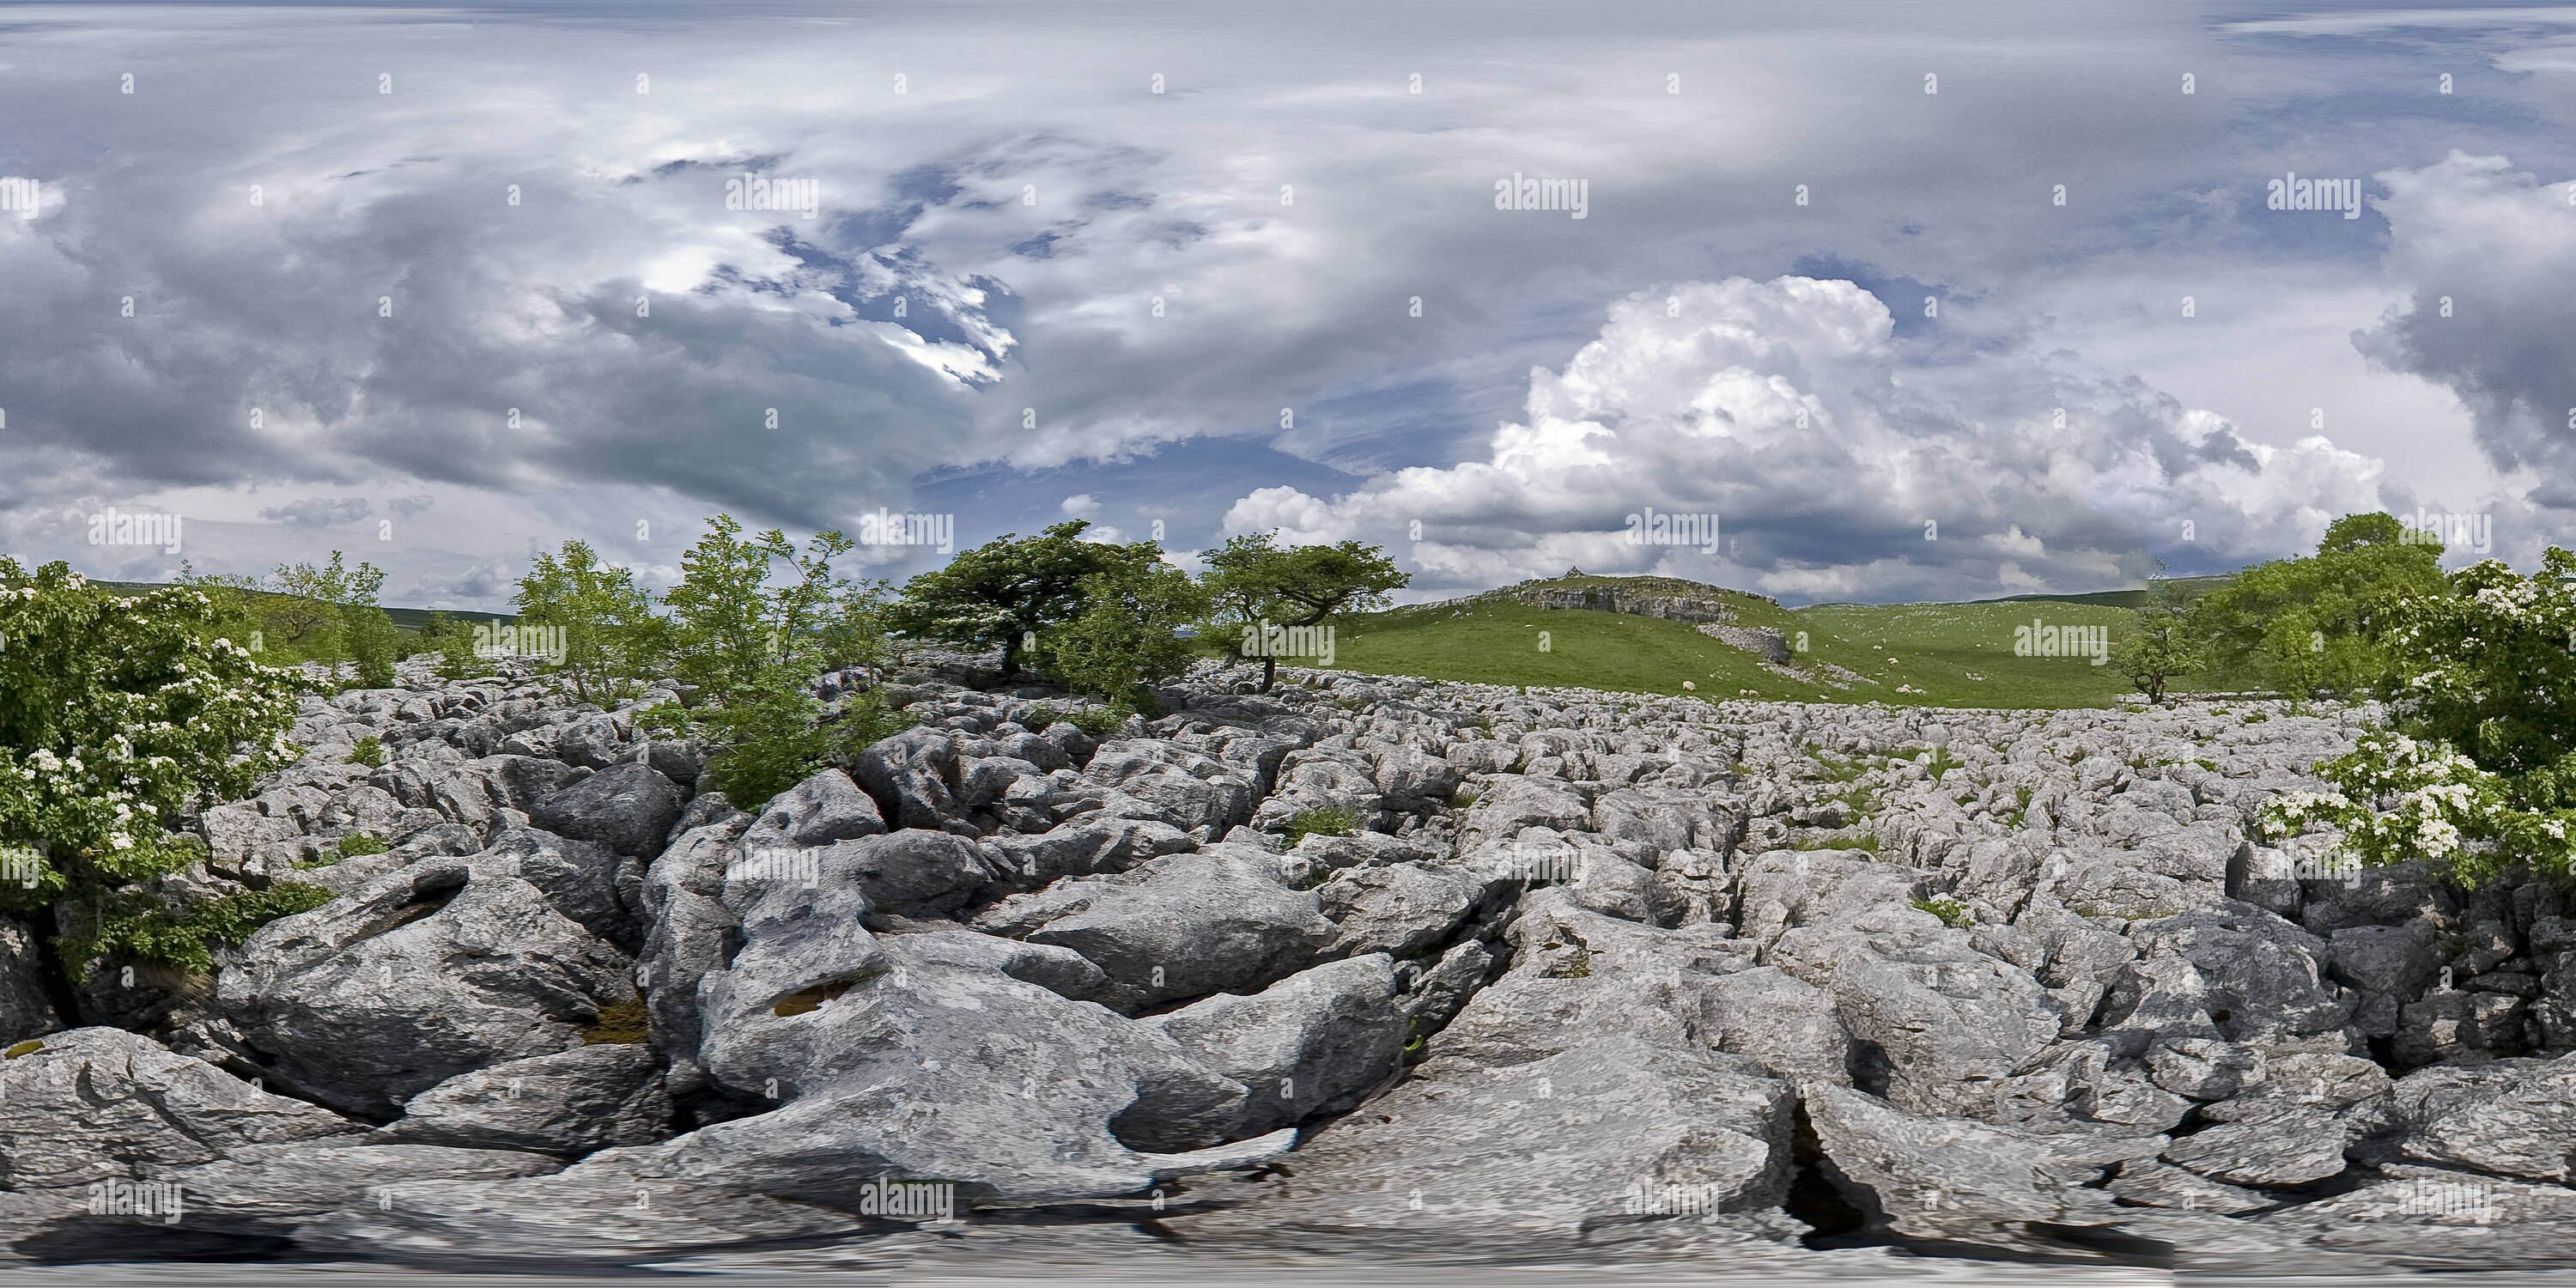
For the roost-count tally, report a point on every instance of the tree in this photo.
(2159, 645)
(117, 714)
(454, 641)
(610, 636)
(1011, 590)
(2477, 770)
(752, 647)
(1257, 584)
(2315, 624)
(1128, 639)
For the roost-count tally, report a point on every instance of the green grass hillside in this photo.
(1946, 654)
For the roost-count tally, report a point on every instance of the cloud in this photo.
(321, 512)
(1081, 507)
(1786, 409)
(2490, 253)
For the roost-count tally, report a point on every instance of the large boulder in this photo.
(95, 1103)
(1181, 926)
(912, 776)
(443, 967)
(569, 1103)
(1311, 1044)
(627, 807)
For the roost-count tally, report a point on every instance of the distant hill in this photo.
(409, 619)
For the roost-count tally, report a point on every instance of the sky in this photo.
(1919, 302)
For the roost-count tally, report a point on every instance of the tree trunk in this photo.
(1269, 672)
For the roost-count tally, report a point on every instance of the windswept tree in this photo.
(1256, 584)
(1013, 590)
(2159, 645)
(2317, 624)
(1129, 638)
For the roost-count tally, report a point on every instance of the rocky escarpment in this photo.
(1661, 597)
(1363, 959)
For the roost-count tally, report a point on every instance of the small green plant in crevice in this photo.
(139, 930)
(2256, 717)
(1330, 820)
(2020, 813)
(1940, 762)
(1099, 722)
(1464, 798)
(370, 752)
(1952, 913)
(620, 1023)
(359, 844)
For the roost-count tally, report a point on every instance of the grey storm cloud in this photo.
(512, 289)
(321, 512)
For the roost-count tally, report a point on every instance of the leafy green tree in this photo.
(117, 714)
(2478, 767)
(1128, 639)
(2316, 624)
(1256, 583)
(611, 639)
(751, 647)
(453, 638)
(2159, 645)
(1012, 590)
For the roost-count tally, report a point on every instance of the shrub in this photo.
(369, 751)
(1330, 820)
(2478, 771)
(1099, 722)
(1952, 913)
(359, 844)
(611, 639)
(1129, 639)
(454, 641)
(136, 929)
(116, 713)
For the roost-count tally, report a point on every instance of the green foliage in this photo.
(1011, 591)
(1952, 913)
(116, 713)
(2479, 771)
(1940, 762)
(2318, 624)
(2159, 645)
(139, 930)
(1099, 722)
(1330, 820)
(1128, 640)
(1254, 583)
(368, 751)
(1464, 798)
(373, 643)
(359, 844)
(454, 641)
(611, 638)
(28, 1047)
(752, 647)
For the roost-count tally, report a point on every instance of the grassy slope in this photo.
(1930, 647)
(409, 619)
